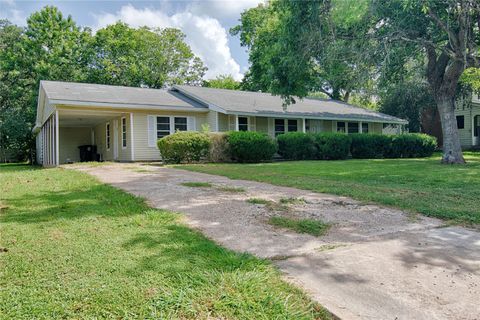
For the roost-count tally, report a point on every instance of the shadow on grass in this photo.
(97, 200)
(16, 167)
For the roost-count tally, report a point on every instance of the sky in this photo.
(206, 23)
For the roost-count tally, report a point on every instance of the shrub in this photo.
(184, 146)
(250, 146)
(332, 146)
(412, 145)
(219, 148)
(296, 146)
(370, 145)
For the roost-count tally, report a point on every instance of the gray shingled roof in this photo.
(117, 95)
(238, 102)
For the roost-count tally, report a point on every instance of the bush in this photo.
(332, 146)
(219, 148)
(296, 146)
(184, 146)
(370, 145)
(250, 146)
(412, 145)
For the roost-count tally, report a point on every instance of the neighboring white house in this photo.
(468, 122)
(124, 123)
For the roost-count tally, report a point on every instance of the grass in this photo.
(230, 189)
(416, 185)
(197, 184)
(292, 201)
(313, 227)
(83, 250)
(269, 204)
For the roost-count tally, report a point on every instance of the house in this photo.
(124, 123)
(468, 122)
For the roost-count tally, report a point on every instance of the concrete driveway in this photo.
(374, 263)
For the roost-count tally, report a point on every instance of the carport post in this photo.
(57, 152)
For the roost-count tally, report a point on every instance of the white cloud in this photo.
(221, 9)
(205, 35)
(8, 2)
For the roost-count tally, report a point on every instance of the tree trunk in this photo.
(452, 150)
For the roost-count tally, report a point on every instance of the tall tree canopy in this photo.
(223, 82)
(342, 46)
(54, 47)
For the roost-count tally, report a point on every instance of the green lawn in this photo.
(74, 248)
(417, 185)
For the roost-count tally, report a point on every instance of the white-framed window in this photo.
(242, 124)
(341, 127)
(124, 133)
(364, 127)
(292, 125)
(163, 127)
(353, 127)
(107, 135)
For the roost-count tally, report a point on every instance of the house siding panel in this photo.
(69, 141)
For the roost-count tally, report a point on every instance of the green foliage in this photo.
(223, 82)
(370, 145)
(471, 79)
(250, 146)
(184, 146)
(310, 226)
(150, 57)
(197, 184)
(412, 145)
(409, 145)
(332, 146)
(296, 146)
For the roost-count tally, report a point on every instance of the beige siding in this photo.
(261, 124)
(69, 141)
(140, 127)
(212, 117)
(222, 122)
(377, 127)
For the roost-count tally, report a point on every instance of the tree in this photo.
(155, 58)
(298, 47)
(446, 34)
(223, 82)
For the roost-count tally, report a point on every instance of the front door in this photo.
(115, 139)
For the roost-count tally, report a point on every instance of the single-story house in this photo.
(124, 123)
(468, 122)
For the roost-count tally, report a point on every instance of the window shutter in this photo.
(191, 124)
(151, 131)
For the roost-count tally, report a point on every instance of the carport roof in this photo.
(94, 94)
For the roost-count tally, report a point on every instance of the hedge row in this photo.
(333, 146)
(251, 146)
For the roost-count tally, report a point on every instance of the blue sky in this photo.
(205, 23)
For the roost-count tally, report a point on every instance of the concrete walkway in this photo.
(374, 263)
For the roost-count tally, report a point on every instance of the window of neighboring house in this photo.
(461, 122)
(364, 127)
(292, 125)
(476, 126)
(124, 132)
(180, 123)
(242, 124)
(163, 127)
(341, 127)
(279, 126)
(107, 134)
(353, 127)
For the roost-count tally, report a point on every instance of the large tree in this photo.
(144, 57)
(446, 33)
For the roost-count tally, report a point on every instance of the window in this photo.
(292, 125)
(124, 132)
(242, 124)
(180, 124)
(279, 126)
(107, 134)
(365, 127)
(461, 122)
(307, 125)
(163, 127)
(341, 127)
(353, 127)
(476, 126)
